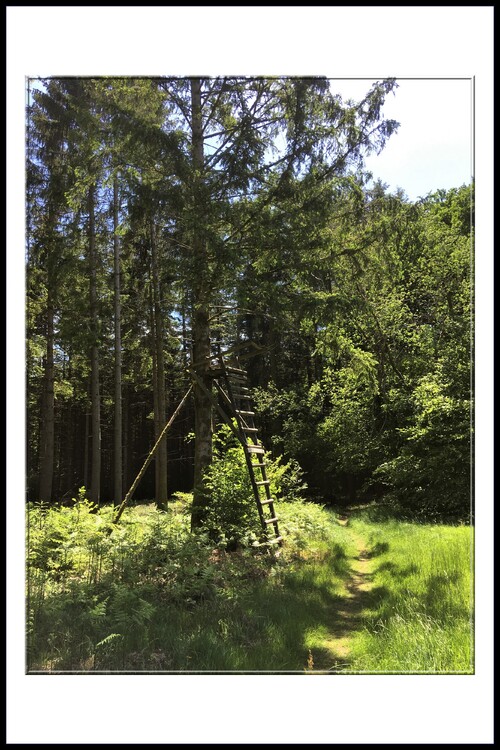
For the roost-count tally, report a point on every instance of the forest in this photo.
(222, 237)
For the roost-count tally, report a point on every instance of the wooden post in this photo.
(149, 458)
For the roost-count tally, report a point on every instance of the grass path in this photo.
(347, 615)
(348, 595)
(406, 602)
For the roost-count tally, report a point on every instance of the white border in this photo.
(370, 42)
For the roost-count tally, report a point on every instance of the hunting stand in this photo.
(233, 401)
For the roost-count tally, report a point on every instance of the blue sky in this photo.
(432, 148)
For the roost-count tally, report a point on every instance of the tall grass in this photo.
(149, 595)
(421, 605)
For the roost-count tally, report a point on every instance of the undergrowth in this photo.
(421, 615)
(147, 594)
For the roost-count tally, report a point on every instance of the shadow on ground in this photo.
(348, 617)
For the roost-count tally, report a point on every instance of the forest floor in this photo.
(347, 594)
(347, 617)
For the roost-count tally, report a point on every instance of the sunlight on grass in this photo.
(424, 621)
(149, 595)
(315, 637)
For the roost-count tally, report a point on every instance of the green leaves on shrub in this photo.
(233, 517)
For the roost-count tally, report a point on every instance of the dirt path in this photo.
(347, 615)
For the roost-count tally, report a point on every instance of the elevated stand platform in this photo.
(233, 401)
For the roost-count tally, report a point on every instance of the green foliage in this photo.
(377, 400)
(148, 594)
(431, 475)
(421, 607)
(232, 515)
(361, 302)
(301, 522)
(357, 297)
(286, 479)
(347, 431)
(94, 587)
(161, 598)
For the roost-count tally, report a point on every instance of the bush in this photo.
(232, 516)
(431, 475)
(95, 589)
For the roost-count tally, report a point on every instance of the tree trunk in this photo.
(126, 437)
(118, 428)
(201, 327)
(67, 430)
(154, 363)
(68, 426)
(86, 450)
(185, 345)
(159, 381)
(95, 482)
(47, 412)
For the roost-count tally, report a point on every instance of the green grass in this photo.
(149, 595)
(421, 619)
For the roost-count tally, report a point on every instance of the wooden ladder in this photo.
(232, 385)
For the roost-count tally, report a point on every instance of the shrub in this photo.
(232, 517)
(431, 475)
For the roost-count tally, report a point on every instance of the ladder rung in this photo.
(245, 413)
(236, 371)
(250, 429)
(267, 501)
(255, 449)
(276, 540)
(264, 481)
(270, 520)
(259, 466)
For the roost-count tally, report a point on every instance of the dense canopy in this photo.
(167, 213)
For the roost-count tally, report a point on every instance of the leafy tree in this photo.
(48, 256)
(431, 472)
(165, 213)
(241, 120)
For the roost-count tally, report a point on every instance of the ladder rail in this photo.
(229, 396)
(241, 437)
(243, 430)
(245, 427)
